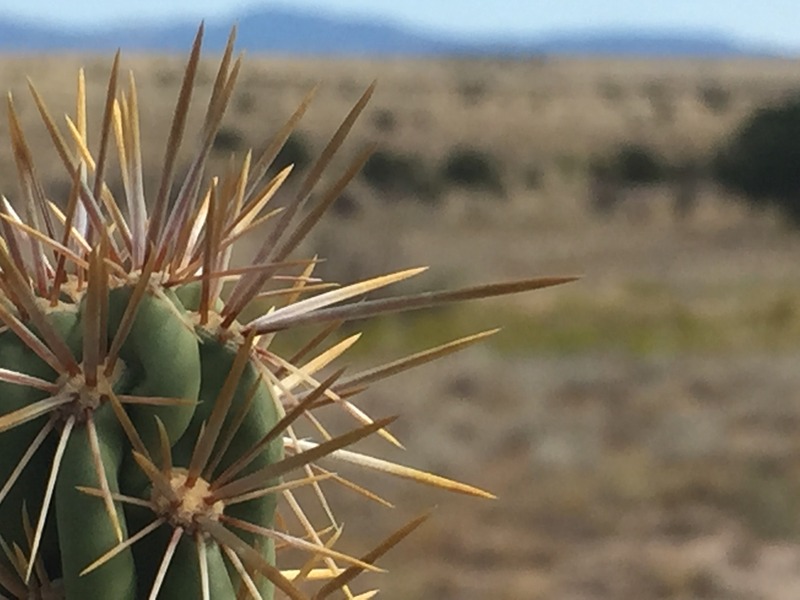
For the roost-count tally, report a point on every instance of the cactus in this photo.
(147, 432)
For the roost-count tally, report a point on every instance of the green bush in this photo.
(384, 120)
(296, 151)
(714, 97)
(346, 206)
(761, 160)
(228, 139)
(632, 164)
(473, 92)
(400, 175)
(245, 102)
(474, 169)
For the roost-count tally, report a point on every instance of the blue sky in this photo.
(773, 22)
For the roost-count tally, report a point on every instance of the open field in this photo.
(639, 426)
(546, 113)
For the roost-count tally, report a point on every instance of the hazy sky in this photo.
(765, 21)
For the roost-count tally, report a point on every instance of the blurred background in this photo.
(639, 426)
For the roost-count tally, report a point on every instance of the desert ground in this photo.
(638, 426)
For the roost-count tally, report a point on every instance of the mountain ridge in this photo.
(285, 31)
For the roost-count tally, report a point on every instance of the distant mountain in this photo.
(296, 32)
(645, 44)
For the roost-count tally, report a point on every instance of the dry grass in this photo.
(541, 110)
(640, 426)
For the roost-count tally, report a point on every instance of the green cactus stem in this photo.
(152, 438)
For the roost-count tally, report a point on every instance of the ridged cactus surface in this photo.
(151, 439)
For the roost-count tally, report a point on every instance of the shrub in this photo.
(228, 139)
(167, 77)
(639, 165)
(472, 168)
(384, 120)
(760, 160)
(296, 151)
(633, 164)
(714, 97)
(346, 206)
(472, 92)
(402, 175)
(245, 102)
